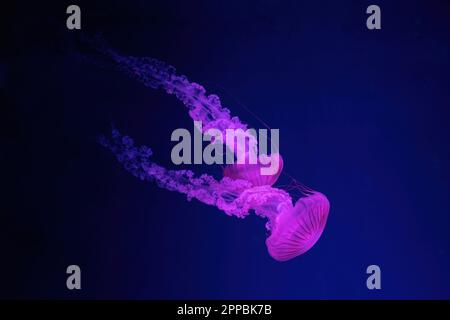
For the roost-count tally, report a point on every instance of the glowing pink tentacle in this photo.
(234, 197)
(202, 107)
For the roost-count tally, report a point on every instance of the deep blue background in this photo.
(363, 117)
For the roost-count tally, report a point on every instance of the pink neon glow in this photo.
(293, 229)
(252, 172)
(296, 229)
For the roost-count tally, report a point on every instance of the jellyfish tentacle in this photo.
(234, 197)
(156, 74)
(202, 107)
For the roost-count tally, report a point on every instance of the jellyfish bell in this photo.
(253, 172)
(296, 229)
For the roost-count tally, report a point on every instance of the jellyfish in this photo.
(293, 229)
(296, 229)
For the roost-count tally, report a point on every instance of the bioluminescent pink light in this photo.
(252, 172)
(293, 229)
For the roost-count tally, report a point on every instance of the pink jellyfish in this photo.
(252, 172)
(294, 229)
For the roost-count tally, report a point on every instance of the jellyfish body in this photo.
(243, 188)
(253, 173)
(296, 229)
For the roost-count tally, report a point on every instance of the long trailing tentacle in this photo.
(234, 197)
(202, 107)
